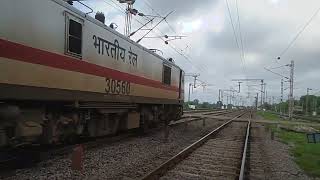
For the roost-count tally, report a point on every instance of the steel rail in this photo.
(199, 117)
(203, 111)
(244, 154)
(160, 170)
(219, 113)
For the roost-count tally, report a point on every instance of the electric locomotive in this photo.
(64, 74)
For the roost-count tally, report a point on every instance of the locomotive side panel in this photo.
(50, 36)
(62, 74)
(24, 22)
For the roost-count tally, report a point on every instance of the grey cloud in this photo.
(180, 7)
(264, 37)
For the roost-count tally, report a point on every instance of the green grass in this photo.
(306, 155)
(268, 116)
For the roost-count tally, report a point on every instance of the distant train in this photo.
(64, 74)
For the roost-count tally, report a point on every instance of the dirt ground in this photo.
(271, 158)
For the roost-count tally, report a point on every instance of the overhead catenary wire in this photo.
(116, 6)
(180, 51)
(299, 32)
(150, 6)
(241, 40)
(233, 28)
(235, 37)
(122, 10)
(240, 33)
(276, 73)
(170, 27)
(238, 44)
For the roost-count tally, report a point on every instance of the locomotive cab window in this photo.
(73, 36)
(166, 75)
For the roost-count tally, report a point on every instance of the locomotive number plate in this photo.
(117, 87)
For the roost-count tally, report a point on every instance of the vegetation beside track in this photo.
(306, 155)
(268, 116)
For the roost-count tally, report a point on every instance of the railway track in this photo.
(202, 115)
(221, 154)
(205, 111)
(27, 157)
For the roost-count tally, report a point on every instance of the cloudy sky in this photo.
(210, 48)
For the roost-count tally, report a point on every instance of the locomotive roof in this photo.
(93, 20)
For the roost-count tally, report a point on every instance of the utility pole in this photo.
(261, 99)
(239, 86)
(314, 105)
(266, 95)
(227, 99)
(257, 101)
(307, 99)
(261, 80)
(272, 100)
(273, 104)
(229, 96)
(195, 80)
(281, 100)
(222, 97)
(194, 76)
(291, 100)
(233, 102)
(265, 99)
(190, 84)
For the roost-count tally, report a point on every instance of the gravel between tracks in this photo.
(218, 158)
(128, 159)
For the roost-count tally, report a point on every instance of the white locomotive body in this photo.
(64, 74)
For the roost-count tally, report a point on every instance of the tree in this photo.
(205, 105)
(196, 101)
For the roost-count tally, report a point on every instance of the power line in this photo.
(235, 37)
(241, 42)
(175, 49)
(278, 67)
(298, 34)
(241, 49)
(187, 58)
(154, 26)
(276, 73)
(170, 27)
(234, 31)
(107, 2)
(150, 6)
